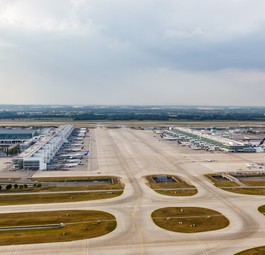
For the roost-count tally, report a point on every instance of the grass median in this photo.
(182, 192)
(63, 188)
(189, 219)
(247, 191)
(74, 178)
(253, 187)
(253, 251)
(56, 197)
(75, 225)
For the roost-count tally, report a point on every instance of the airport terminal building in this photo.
(222, 143)
(42, 152)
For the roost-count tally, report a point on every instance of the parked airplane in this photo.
(77, 144)
(74, 156)
(210, 160)
(249, 165)
(78, 139)
(170, 138)
(73, 161)
(71, 165)
(73, 149)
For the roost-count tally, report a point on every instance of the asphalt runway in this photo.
(133, 154)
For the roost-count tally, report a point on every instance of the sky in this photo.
(132, 52)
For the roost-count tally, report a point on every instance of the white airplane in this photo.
(73, 161)
(210, 160)
(73, 149)
(78, 138)
(75, 156)
(81, 135)
(170, 138)
(77, 144)
(249, 165)
(71, 165)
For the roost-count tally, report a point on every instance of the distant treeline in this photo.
(139, 115)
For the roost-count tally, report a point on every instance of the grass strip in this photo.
(189, 219)
(220, 183)
(74, 178)
(56, 197)
(247, 191)
(64, 188)
(183, 192)
(253, 251)
(78, 224)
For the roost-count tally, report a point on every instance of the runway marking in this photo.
(86, 248)
(135, 209)
(198, 242)
(90, 221)
(136, 187)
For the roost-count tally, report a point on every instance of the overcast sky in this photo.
(170, 52)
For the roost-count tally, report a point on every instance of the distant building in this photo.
(16, 135)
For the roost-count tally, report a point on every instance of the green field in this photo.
(247, 191)
(221, 183)
(189, 219)
(47, 184)
(253, 251)
(56, 197)
(79, 224)
(74, 178)
(182, 192)
(262, 209)
(64, 188)
(235, 188)
(254, 182)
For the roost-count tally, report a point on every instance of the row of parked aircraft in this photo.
(72, 152)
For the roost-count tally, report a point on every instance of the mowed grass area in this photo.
(63, 188)
(79, 224)
(56, 197)
(189, 219)
(115, 183)
(247, 191)
(254, 182)
(222, 183)
(262, 209)
(52, 186)
(74, 178)
(182, 192)
(177, 188)
(253, 251)
(10, 179)
(233, 187)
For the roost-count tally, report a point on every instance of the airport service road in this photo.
(132, 154)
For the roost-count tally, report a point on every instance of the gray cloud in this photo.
(132, 52)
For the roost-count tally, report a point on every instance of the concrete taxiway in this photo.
(132, 154)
